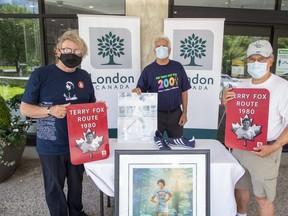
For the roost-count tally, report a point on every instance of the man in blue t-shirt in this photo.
(49, 91)
(169, 79)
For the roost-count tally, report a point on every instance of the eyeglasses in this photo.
(260, 59)
(77, 52)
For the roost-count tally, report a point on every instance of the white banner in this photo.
(197, 44)
(113, 56)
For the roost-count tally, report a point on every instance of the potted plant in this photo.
(13, 130)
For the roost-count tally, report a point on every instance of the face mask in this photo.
(162, 52)
(70, 60)
(257, 69)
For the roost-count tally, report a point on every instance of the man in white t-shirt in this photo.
(262, 164)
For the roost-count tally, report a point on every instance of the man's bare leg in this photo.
(242, 199)
(265, 206)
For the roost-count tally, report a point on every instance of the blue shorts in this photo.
(162, 208)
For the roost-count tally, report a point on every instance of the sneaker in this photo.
(160, 141)
(182, 141)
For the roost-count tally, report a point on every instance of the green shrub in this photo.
(14, 82)
(5, 119)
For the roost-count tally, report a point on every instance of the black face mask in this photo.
(70, 60)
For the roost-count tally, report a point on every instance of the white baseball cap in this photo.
(260, 47)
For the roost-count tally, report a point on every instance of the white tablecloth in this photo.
(225, 172)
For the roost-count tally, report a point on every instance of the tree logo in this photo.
(110, 46)
(193, 47)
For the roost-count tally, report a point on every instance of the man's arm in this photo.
(35, 111)
(169, 196)
(183, 118)
(152, 199)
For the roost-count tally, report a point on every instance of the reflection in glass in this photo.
(253, 4)
(85, 7)
(284, 5)
(19, 54)
(19, 7)
(19, 47)
(283, 42)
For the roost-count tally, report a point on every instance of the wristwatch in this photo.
(48, 110)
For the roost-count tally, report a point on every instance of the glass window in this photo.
(283, 42)
(20, 44)
(284, 5)
(19, 7)
(282, 58)
(19, 53)
(85, 7)
(55, 28)
(253, 4)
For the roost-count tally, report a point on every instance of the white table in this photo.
(224, 168)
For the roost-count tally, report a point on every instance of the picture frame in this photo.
(137, 117)
(177, 181)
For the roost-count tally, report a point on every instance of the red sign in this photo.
(88, 132)
(247, 118)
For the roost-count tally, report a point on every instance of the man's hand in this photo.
(137, 90)
(183, 119)
(264, 150)
(228, 95)
(59, 111)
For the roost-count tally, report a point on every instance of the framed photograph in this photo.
(137, 117)
(165, 182)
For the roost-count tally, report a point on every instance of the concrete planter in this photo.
(11, 153)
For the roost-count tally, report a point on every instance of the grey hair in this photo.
(164, 38)
(73, 35)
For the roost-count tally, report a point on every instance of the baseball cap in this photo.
(260, 47)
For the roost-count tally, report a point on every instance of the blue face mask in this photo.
(257, 69)
(162, 52)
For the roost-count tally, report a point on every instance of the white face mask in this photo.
(257, 69)
(162, 52)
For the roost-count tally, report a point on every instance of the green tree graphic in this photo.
(110, 45)
(193, 47)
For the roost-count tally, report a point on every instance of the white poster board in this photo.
(113, 56)
(137, 117)
(197, 44)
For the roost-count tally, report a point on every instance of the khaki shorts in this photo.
(260, 173)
